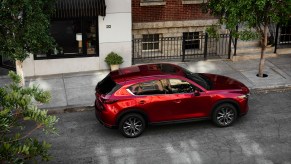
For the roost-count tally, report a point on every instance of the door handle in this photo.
(177, 101)
(142, 102)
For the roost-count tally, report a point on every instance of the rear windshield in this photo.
(107, 85)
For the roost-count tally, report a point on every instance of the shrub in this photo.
(17, 108)
(113, 58)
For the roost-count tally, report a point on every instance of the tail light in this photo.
(109, 101)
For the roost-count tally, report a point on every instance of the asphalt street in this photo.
(263, 136)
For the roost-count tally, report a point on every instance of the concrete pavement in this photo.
(77, 89)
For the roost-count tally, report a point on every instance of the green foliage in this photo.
(113, 58)
(24, 27)
(17, 109)
(252, 14)
(213, 31)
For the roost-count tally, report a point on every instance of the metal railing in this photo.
(282, 37)
(200, 47)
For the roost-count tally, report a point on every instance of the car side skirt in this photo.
(179, 121)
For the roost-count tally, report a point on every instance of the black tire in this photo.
(132, 125)
(224, 115)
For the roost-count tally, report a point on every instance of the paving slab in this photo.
(58, 99)
(56, 88)
(81, 95)
(4, 80)
(217, 67)
(273, 80)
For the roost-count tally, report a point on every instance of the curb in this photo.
(69, 109)
(271, 89)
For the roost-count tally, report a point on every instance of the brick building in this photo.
(169, 17)
(161, 26)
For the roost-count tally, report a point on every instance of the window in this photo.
(285, 36)
(147, 88)
(192, 40)
(181, 86)
(150, 42)
(74, 38)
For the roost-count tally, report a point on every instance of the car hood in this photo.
(219, 82)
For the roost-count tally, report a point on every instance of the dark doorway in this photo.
(7, 63)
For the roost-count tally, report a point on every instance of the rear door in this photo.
(151, 97)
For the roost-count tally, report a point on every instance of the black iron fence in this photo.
(187, 47)
(283, 37)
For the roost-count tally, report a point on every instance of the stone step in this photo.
(239, 57)
(245, 50)
(283, 51)
(254, 43)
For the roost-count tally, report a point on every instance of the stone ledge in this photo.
(188, 2)
(152, 3)
(172, 24)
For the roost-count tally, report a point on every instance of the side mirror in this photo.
(196, 93)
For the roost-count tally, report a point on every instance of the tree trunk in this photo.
(264, 42)
(19, 72)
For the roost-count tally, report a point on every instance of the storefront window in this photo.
(74, 38)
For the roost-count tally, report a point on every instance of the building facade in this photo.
(85, 32)
(170, 28)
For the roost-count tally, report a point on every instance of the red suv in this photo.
(133, 97)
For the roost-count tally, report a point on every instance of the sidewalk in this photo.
(77, 89)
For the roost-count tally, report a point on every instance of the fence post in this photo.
(235, 41)
(205, 46)
(229, 45)
(183, 48)
(276, 38)
(132, 49)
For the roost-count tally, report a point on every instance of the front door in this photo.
(185, 104)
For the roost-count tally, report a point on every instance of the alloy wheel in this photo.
(225, 116)
(132, 125)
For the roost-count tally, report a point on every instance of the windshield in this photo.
(199, 79)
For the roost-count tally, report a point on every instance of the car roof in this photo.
(141, 71)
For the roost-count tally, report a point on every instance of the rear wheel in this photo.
(132, 125)
(224, 115)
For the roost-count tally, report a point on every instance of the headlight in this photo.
(244, 96)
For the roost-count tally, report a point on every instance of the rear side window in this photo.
(107, 86)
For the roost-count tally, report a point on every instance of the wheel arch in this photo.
(131, 110)
(229, 101)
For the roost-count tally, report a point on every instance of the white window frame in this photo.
(151, 42)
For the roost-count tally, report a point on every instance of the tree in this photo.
(24, 29)
(253, 15)
(17, 109)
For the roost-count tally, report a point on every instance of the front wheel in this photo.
(132, 125)
(224, 115)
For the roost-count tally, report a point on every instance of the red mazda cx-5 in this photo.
(133, 97)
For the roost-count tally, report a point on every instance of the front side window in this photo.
(150, 42)
(181, 86)
(74, 38)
